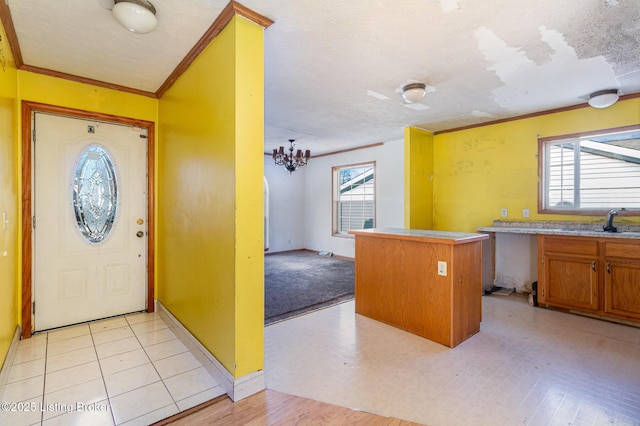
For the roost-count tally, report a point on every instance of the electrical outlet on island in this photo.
(442, 268)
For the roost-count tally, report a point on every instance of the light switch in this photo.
(442, 268)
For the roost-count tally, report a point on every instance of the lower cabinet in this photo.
(572, 282)
(622, 279)
(594, 275)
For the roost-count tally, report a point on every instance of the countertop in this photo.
(424, 235)
(562, 228)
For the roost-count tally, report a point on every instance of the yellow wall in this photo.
(418, 184)
(55, 91)
(210, 256)
(249, 165)
(479, 171)
(9, 303)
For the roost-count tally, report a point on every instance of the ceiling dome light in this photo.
(138, 16)
(414, 92)
(603, 98)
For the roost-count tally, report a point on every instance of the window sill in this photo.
(349, 236)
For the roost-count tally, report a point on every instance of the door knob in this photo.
(140, 234)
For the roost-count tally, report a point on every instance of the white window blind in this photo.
(593, 173)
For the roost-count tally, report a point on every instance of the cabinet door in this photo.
(622, 288)
(571, 282)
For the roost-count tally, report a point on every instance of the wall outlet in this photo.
(503, 212)
(525, 212)
(442, 268)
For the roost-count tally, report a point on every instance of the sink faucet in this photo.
(609, 226)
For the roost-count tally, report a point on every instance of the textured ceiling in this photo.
(334, 69)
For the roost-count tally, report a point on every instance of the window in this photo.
(590, 173)
(353, 198)
(95, 194)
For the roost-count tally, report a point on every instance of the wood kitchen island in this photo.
(428, 283)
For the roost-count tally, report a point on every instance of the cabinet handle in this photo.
(608, 267)
(593, 266)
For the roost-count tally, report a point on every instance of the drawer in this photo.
(570, 245)
(624, 250)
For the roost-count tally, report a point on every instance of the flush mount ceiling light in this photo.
(138, 16)
(414, 92)
(603, 98)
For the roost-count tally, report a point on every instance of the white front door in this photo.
(90, 250)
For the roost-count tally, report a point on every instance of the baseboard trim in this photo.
(236, 389)
(309, 250)
(8, 360)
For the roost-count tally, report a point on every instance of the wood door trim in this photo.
(230, 10)
(27, 198)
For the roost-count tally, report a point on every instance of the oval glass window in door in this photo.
(95, 194)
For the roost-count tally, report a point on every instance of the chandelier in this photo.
(289, 161)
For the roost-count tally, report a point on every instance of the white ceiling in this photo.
(334, 68)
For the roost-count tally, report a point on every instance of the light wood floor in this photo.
(270, 407)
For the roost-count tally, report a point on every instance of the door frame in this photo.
(27, 197)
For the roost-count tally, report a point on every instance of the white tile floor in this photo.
(128, 370)
(527, 365)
